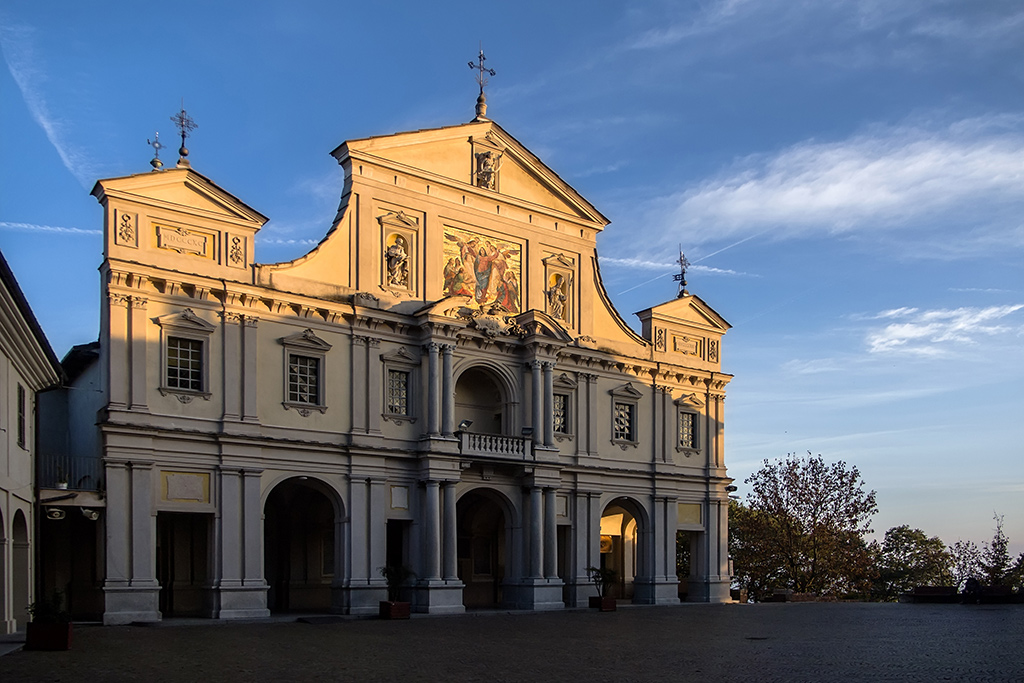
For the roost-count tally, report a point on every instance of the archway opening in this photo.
(478, 399)
(300, 546)
(482, 531)
(620, 546)
(21, 570)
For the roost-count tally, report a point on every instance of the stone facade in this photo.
(442, 383)
(27, 366)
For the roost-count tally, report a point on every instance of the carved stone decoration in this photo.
(236, 254)
(366, 300)
(487, 166)
(490, 325)
(713, 351)
(396, 259)
(659, 339)
(122, 300)
(183, 241)
(126, 233)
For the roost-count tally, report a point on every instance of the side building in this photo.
(442, 383)
(27, 367)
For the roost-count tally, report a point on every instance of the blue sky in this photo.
(847, 178)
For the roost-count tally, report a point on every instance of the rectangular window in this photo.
(184, 364)
(21, 416)
(623, 428)
(398, 392)
(561, 414)
(687, 432)
(303, 380)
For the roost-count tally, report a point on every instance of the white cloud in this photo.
(933, 333)
(301, 242)
(17, 45)
(32, 227)
(897, 180)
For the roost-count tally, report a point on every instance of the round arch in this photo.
(303, 542)
(4, 617)
(486, 395)
(625, 542)
(21, 569)
(486, 520)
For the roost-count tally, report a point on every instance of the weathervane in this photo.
(680, 277)
(185, 125)
(481, 78)
(157, 146)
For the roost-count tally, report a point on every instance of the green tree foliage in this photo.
(908, 558)
(802, 527)
(995, 562)
(966, 562)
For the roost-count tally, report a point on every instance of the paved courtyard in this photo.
(768, 642)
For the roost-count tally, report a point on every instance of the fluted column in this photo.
(536, 533)
(550, 536)
(447, 391)
(549, 404)
(450, 538)
(432, 389)
(538, 403)
(432, 532)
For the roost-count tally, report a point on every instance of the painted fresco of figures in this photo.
(480, 267)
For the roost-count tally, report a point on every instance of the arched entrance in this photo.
(5, 622)
(478, 398)
(621, 534)
(300, 546)
(482, 529)
(20, 570)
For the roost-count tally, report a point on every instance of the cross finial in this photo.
(157, 146)
(680, 277)
(185, 126)
(482, 72)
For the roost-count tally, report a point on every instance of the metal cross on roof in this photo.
(680, 277)
(185, 126)
(157, 146)
(481, 79)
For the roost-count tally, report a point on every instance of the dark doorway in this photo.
(481, 550)
(299, 549)
(182, 562)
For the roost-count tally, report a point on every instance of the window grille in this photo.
(184, 364)
(623, 428)
(398, 392)
(303, 380)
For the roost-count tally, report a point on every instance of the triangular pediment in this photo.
(690, 400)
(687, 310)
(400, 355)
(627, 390)
(179, 189)
(306, 339)
(449, 153)
(185, 320)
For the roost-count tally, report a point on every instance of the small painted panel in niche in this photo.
(485, 268)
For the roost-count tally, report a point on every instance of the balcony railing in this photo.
(495, 446)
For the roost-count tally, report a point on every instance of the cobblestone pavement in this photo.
(768, 642)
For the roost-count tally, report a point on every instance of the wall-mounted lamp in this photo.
(91, 515)
(527, 431)
(464, 425)
(54, 513)
(730, 488)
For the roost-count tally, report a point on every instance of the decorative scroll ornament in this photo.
(236, 255)
(126, 227)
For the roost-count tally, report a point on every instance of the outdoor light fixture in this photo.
(527, 431)
(730, 488)
(464, 425)
(91, 515)
(54, 513)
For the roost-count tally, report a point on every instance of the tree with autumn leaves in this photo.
(803, 527)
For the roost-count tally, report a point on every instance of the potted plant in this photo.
(50, 627)
(603, 579)
(393, 608)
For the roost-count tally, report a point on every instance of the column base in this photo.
(535, 594)
(711, 589)
(437, 596)
(360, 600)
(126, 604)
(242, 602)
(656, 591)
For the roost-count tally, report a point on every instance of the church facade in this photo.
(441, 384)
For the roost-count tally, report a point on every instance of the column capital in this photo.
(432, 347)
(250, 320)
(231, 317)
(122, 300)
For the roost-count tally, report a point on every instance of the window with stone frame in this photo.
(397, 401)
(303, 380)
(21, 416)
(305, 360)
(400, 368)
(625, 406)
(560, 416)
(687, 429)
(185, 355)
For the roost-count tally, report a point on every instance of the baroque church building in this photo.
(442, 383)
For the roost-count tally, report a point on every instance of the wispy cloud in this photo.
(893, 180)
(26, 67)
(933, 333)
(301, 242)
(32, 227)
